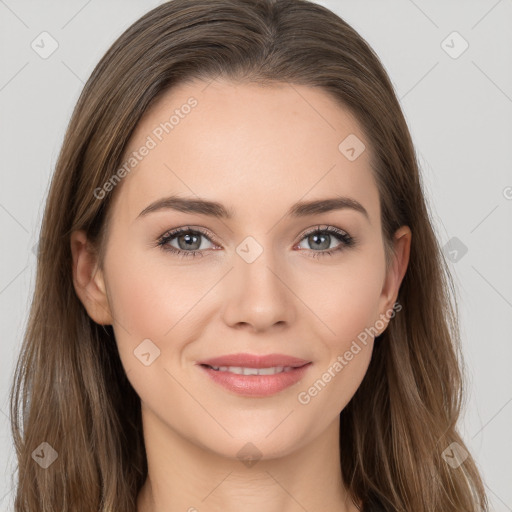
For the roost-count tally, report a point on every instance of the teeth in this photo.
(253, 371)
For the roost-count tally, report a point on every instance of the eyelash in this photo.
(342, 236)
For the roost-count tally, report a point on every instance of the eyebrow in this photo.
(217, 210)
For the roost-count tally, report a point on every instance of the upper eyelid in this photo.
(324, 227)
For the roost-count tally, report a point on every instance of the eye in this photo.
(189, 244)
(188, 241)
(321, 238)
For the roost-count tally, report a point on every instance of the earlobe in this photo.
(88, 279)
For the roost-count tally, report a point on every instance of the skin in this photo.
(257, 150)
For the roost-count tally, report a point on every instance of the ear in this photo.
(88, 279)
(395, 273)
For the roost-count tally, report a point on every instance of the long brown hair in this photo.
(70, 389)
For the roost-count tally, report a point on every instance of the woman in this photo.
(190, 346)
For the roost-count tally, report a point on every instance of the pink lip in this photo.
(256, 385)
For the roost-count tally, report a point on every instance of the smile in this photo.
(255, 382)
(239, 370)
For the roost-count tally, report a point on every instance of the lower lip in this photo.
(256, 385)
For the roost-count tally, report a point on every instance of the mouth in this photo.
(255, 382)
(239, 370)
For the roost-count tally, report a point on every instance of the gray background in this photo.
(459, 112)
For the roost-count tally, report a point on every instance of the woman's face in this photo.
(262, 281)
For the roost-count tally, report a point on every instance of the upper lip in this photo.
(255, 361)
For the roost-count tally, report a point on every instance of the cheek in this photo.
(346, 353)
(156, 302)
(348, 308)
(346, 298)
(150, 305)
(142, 303)
(148, 299)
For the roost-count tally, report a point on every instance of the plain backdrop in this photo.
(451, 66)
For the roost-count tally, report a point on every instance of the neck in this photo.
(183, 476)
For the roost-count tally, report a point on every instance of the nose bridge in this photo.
(256, 293)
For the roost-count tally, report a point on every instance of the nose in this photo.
(258, 295)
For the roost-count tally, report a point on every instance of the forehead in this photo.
(225, 141)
